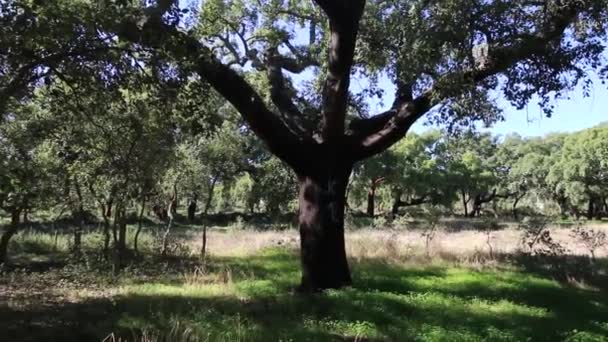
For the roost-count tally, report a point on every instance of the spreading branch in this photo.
(377, 134)
(232, 86)
(344, 17)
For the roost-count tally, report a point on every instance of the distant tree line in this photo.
(556, 175)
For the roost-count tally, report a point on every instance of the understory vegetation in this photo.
(454, 289)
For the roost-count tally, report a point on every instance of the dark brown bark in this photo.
(590, 209)
(514, 206)
(139, 224)
(321, 219)
(465, 203)
(481, 199)
(174, 200)
(371, 200)
(204, 242)
(8, 234)
(192, 209)
(77, 249)
(120, 244)
(105, 206)
(108, 207)
(399, 203)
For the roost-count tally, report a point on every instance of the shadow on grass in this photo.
(386, 303)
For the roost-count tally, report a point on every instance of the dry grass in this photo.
(393, 245)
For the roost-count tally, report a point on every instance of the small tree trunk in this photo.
(108, 207)
(8, 234)
(514, 206)
(174, 201)
(590, 209)
(397, 203)
(323, 255)
(475, 211)
(80, 225)
(139, 223)
(204, 242)
(106, 234)
(165, 243)
(209, 196)
(371, 200)
(465, 204)
(120, 247)
(192, 210)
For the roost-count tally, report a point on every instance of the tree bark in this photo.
(371, 199)
(8, 234)
(165, 241)
(80, 225)
(204, 241)
(465, 204)
(192, 209)
(514, 207)
(209, 196)
(321, 219)
(120, 246)
(139, 223)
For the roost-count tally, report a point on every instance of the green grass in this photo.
(251, 299)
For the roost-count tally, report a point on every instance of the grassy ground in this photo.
(243, 292)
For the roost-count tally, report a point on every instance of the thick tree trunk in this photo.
(323, 255)
(8, 234)
(476, 207)
(371, 199)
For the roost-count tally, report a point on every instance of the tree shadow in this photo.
(386, 302)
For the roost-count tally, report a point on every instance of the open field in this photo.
(244, 291)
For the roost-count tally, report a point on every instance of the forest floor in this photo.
(454, 290)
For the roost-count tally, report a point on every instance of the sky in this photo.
(570, 115)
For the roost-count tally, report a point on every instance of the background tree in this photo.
(23, 172)
(583, 170)
(423, 176)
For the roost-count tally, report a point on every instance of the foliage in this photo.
(537, 238)
(593, 240)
